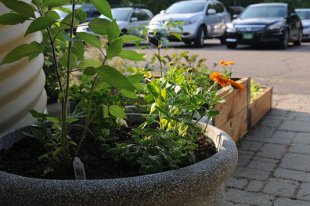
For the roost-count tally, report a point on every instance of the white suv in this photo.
(201, 19)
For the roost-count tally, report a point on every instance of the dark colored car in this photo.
(265, 23)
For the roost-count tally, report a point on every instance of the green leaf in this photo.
(12, 19)
(90, 39)
(136, 78)
(105, 110)
(53, 119)
(103, 7)
(117, 111)
(55, 3)
(25, 50)
(78, 49)
(80, 15)
(40, 23)
(22, 8)
(130, 38)
(131, 55)
(115, 78)
(90, 71)
(113, 31)
(115, 48)
(129, 94)
(89, 63)
(99, 26)
(64, 60)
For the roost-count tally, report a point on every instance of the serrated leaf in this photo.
(12, 19)
(131, 55)
(130, 38)
(89, 63)
(103, 7)
(22, 8)
(115, 78)
(90, 39)
(99, 26)
(24, 50)
(117, 111)
(39, 24)
(115, 48)
(129, 94)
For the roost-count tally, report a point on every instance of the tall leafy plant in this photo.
(71, 59)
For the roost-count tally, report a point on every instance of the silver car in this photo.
(130, 20)
(304, 15)
(201, 19)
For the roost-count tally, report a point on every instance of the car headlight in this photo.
(189, 21)
(276, 26)
(230, 28)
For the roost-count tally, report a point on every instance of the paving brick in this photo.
(251, 173)
(250, 146)
(290, 202)
(252, 198)
(293, 125)
(304, 192)
(281, 187)
(272, 151)
(255, 186)
(294, 161)
(297, 114)
(244, 157)
(278, 112)
(302, 138)
(261, 131)
(262, 165)
(300, 148)
(271, 122)
(292, 174)
(236, 183)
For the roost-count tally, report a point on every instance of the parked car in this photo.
(90, 10)
(304, 15)
(201, 19)
(130, 20)
(265, 23)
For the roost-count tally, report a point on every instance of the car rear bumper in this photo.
(188, 33)
(254, 37)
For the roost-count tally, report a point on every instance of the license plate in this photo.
(247, 36)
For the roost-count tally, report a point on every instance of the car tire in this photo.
(231, 45)
(284, 40)
(299, 40)
(201, 34)
(223, 39)
(187, 42)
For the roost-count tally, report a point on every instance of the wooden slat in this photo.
(261, 105)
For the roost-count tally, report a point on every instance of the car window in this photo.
(218, 8)
(121, 14)
(186, 7)
(264, 12)
(141, 15)
(304, 14)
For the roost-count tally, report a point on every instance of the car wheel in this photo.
(299, 40)
(187, 42)
(200, 38)
(231, 45)
(223, 40)
(284, 40)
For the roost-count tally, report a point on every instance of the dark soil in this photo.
(22, 159)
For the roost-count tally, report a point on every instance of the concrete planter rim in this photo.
(206, 175)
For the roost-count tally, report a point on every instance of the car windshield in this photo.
(186, 7)
(121, 14)
(264, 12)
(304, 14)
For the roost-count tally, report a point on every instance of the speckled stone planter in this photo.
(199, 184)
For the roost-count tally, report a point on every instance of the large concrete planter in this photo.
(22, 82)
(201, 184)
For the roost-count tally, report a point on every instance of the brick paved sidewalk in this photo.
(274, 158)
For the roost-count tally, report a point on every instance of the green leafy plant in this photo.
(255, 89)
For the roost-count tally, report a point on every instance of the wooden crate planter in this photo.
(260, 106)
(234, 112)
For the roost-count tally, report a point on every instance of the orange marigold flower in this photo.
(222, 62)
(226, 64)
(219, 78)
(231, 62)
(236, 85)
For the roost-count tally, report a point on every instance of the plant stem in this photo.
(160, 63)
(66, 95)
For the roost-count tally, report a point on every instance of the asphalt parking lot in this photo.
(288, 71)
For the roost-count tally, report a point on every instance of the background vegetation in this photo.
(157, 5)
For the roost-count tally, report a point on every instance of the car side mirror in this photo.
(134, 19)
(211, 11)
(162, 11)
